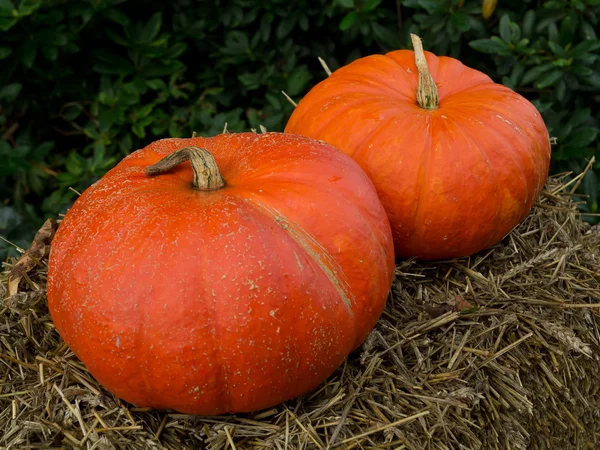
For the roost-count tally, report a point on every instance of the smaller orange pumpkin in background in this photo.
(232, 293)
(458, 160)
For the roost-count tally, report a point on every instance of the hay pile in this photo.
(496, 351)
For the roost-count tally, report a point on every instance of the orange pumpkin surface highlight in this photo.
(238, 293)
(457, 159)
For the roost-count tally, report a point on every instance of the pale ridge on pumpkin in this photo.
(314, 249)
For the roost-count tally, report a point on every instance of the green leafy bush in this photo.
(85, 82)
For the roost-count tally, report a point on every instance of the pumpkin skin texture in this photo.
(228, 300)
(455, 179)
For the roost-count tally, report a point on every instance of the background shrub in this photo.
(85, 82)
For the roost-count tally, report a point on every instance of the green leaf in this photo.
(99, 153)
(568, 27)
(27, 7)
(534, 73)
(28, 52)
(431, 6)
(516, 74)
(571, 82)
(487, 46)
(552, 32)
(587, 31)
(528, 23)
(285, 27)
(560, 90)
(554, 4)
(50, 37)
(214, 90)
(236, 42)
(542, 107)
(151, 29)
(557, 49)
(387, 37)
(71, 112)
(461, 22)
(6, 8)
(120, 66)
(107, 118)
(5, 52)
(53, 18)
(591, 187)
(303, 23)
(549, 79)
(7, 23)
(265, 29)
(506, 81)
(43, 150)
(346, 3)
(138, 130)
(91, 132)
(583, 138)
(580, 116)
(10, 92)
(274, 100)
(297, 81)
(9, 218)
(370, 5)
(347, 21)
(50, 52)
(116, 37)
(75, 164)
(116, 16)
(144, 111)
(250, 81)
(522, 46)
(156, 84)
(176, 50)
(585, 47)
(515, 32)
(504, 28)
(582, 71)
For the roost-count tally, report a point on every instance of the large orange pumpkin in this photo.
(457, 159)
(233, 293)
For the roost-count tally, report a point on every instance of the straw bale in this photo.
(496, 351)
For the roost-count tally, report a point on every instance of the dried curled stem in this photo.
(427, 93)
(206, 172)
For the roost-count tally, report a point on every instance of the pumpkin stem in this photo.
(427, 93)
(206, 173)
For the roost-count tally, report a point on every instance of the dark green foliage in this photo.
(85, 82)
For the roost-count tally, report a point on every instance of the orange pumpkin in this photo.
(457, 160)
(233, 293)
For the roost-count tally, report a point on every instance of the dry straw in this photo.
(498, 351)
